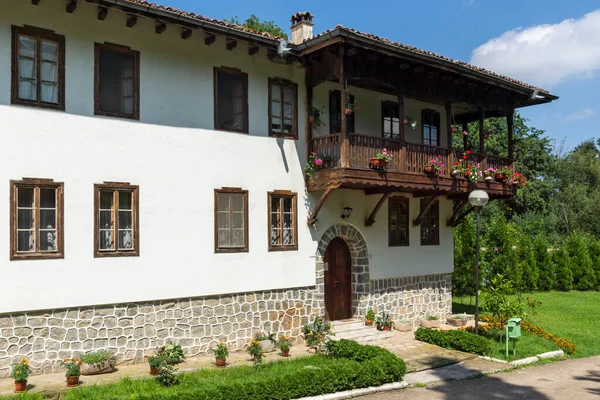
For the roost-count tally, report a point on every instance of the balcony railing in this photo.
(407, 158)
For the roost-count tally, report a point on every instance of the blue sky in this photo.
(554, 44)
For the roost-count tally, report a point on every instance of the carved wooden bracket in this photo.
(462, 217)
(417, 221)
(371, 220)
(313, 217)
(452, 220)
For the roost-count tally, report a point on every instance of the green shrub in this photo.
(456, 340)
(96, 357)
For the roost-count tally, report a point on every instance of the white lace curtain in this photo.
(29, 57)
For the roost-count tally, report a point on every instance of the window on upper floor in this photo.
(231, 220)
(117, 78)
(390, 114)
(231, 100)
(430, 123)
(430, 223)
(283, 108)
(38, 70)
(283, 220)
(398, 217)
(36, 219)
(336, 113)
(116, 220)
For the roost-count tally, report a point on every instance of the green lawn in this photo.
(569, 315)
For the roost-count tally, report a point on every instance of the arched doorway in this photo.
(338, 280)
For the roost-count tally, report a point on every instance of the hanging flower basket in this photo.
(454, 129)
(311, 119)
(376, 163)
(347, 111)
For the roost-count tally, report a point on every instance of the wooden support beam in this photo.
(231, 44)
(252, 49)
(371, 220)
(378, 190)
(510, 125)
(481, 128)
(71, 7)
(345, 145)
(417, 221)
(401, 116)
(131, 20)
(35, 2)
(456, 213)
(448, 106)
(209, 39)
(314, 216)
(160, 27)
(462, 217)
(186, 33)
(309, 126)
(102, 13)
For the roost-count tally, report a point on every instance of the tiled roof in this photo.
(202, 18)
(431, 54)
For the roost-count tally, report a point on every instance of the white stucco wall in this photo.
(177, 160)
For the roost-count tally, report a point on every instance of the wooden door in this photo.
(338, 281)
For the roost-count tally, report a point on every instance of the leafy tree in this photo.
(463, 278)
(584, 277)
(254, 23)
(546, 267)
(497, 301)
(564, 276)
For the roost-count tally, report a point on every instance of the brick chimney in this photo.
(302, 27)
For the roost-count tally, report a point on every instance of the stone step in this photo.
(355, 329)
(347, 325)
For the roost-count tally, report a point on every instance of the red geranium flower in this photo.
(468, 151)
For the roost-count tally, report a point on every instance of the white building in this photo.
(154, 190)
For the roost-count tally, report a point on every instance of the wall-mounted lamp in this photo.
(346, 213)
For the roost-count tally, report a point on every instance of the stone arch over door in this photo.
(360, 264)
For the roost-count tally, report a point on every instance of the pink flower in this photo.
(314, 154)
(318, 161)
(465, 133)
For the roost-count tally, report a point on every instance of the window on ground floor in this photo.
(398, 217)
(283, 220)
(430, 223)
(231, 220)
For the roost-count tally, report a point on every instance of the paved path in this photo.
(571, 379)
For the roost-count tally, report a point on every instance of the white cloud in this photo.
(581, 114)
(545, 55)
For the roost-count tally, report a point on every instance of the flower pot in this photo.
(311, 119)
(428, 169)
(72, 381)
(436, 323)
(456, 321)
(220, 362)
(105, 367)
(254, 357)
(20, 387)
(454, 129)
(376, 163)
(348, 111)
(379, 327)
(387, 328)
(489, 178)
(403, 326)
(500, 177)
(154, 371)
(455, 173)
(405, 121)
(368, 322)
(285, 353)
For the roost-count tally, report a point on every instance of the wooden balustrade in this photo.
(409, 158)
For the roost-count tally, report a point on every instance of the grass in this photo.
(568, 315)
(529, 345)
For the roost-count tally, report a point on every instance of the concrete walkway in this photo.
(419, 356)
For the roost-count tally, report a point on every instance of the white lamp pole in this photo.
(478, 199)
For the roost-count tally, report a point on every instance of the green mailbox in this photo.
(514, 328)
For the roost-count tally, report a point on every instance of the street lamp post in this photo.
(478, 199)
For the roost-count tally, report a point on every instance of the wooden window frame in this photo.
(433, 114)
(116, 187)
(36, 184)
(335, 97)
(39, 34)
(405, 200)
(231, 71)
(428, 218)
(389, 103)
(283, 194)
(115, 48)
(284, 83)
(246, 247)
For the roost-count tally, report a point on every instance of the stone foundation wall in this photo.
(134, 330)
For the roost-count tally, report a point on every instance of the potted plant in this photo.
(370, 318)
(403, 325)
(473, 172)
(489, 174)
(454, 129)
(350, 108)
(315, 162)
(409, 121)
(172, 353)
(381, 159)
(98, 362)
(155, 362)
(457, 320)
(315, 116)
(221, 352)
(267, 341)
(383, 322)
(20, 372)
(517, 180)
(73, 366)
(431, 321)
(503, 174)
(284, 345)
(435, 166)
(457, 169)
(315, 334)
(255, 350)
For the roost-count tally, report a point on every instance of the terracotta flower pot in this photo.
(220, 362)
(348, 111)
(428, 169)
(379, 327)
(20, 387)
(285, 353)
(454, 129)
(405, 121)
(154, 371)
(72, 381)
(311, 119)
(368, 322)
(387, 328)
(376, 163)
(500, 177)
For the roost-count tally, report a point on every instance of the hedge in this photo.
(456, 340)
(348, 365)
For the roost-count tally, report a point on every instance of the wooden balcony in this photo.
(349, 167)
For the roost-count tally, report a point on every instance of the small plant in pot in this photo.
(315, 334)
(20, 372)
(457, 169)
(383, 322)
(267, 341)
(255, 350)
(503, 174)
(410, 122)
(435, 166)
(97, 362)
(172, 353)
(315, 163)
(156, 362)
(221, 353)
(73, 366)
(432, 321)
(489, 174)
(351, 108)
(381, 159)
(370, 318)
(315, 116)
(284, 345)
